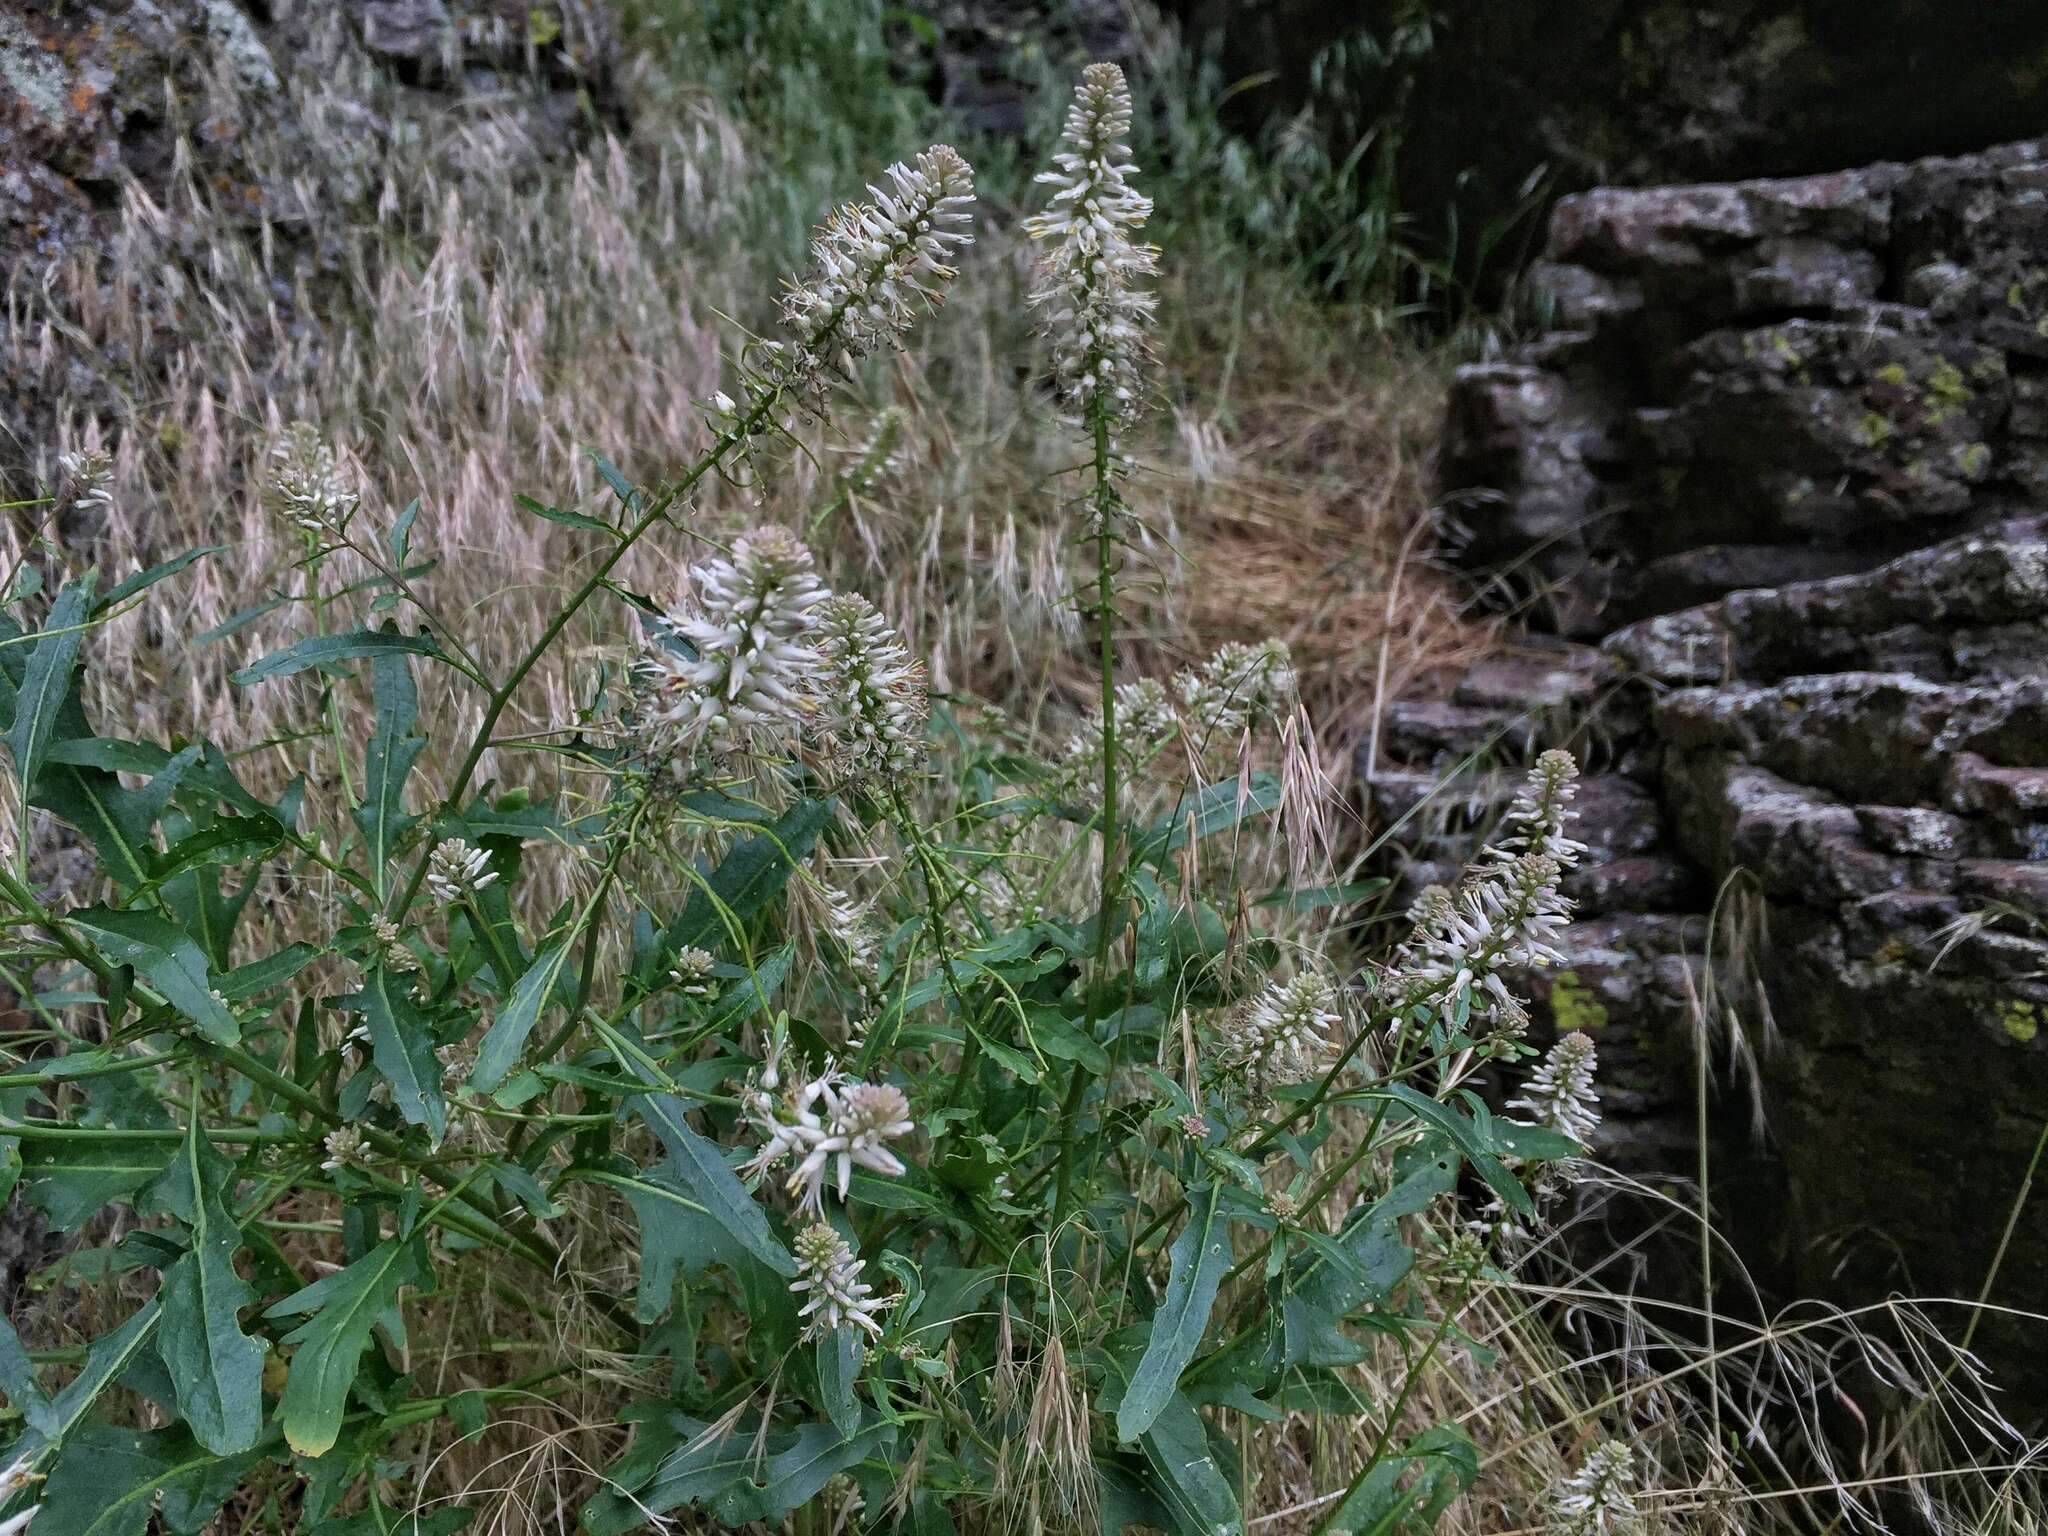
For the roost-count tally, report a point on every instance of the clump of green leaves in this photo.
(870, 1125)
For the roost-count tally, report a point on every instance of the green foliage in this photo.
(879, 1135)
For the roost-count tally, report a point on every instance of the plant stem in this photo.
(1105, 501)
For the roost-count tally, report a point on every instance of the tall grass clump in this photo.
(644, 1048)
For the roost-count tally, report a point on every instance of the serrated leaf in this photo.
(1362, 1264)
(215, 1368)
(167, 959)
(748, 878)
(384, 1520)
(402, 1051)
(18, 1381)
(1213, 808)
(674, 1460)
(700, 1170)
(1200, 1257)
(46, 680)
(498, 1052)
(796, 1474)
(72, 1181)
(1192, 1489)
(319, 650)
(260, 976)
(108, 1480)
(1389, 1502)
(1462, 1131)
(676, 1233)
(387, 762)
(345, 1306)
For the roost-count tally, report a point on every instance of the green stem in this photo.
(501, 697)
(1105, 500)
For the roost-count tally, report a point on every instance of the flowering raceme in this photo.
(872, 695)
(1283, 1035)
(1089, 276)
(1236, 686)
(875, 260)
(1509, 913)
(306, 486)
(828, 1271)
(1560, 1094)
(751, 669)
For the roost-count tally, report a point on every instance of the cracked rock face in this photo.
(97, 94)
(1776, 483)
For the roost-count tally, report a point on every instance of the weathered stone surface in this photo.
(95, 94)
(1761, 382)
(1635, 92)
(1786, 455)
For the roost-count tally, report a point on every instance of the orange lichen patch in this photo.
(82, 96)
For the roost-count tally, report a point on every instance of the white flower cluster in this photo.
(345, 1149)
(873, 702)
(875, 260)
(829, 1125)
(13, 1480)
(388, 943)
(1238, 685)
(1599, 1498)
(759, 651)
(1561, 1094)
(692, 971)
(1283, 1034)
(91, 473)
(306, 486)
(827, 1269)
(455, 870)
(1509, 913)
(1089, 276)
(748, 626)
(1213, 704)
(1145, 722)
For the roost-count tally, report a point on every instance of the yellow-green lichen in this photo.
(1891, 373)
(2020, 1018)
(1947, 392)
(1974, 459)
(1573, 1005)
(1873, 429)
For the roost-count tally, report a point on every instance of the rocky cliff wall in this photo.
(1774, 490)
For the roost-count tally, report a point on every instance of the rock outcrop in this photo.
(1489, 98)
(1774, 487)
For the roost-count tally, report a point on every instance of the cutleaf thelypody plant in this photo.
(883, 1035)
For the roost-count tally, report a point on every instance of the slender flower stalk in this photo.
(1095, 310)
